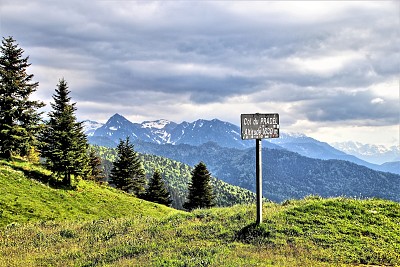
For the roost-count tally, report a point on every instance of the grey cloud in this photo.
(357, 108)
(249, 54)
(281, 92)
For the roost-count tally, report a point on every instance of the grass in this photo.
(309, 232)
(29, 200)
(338, 230)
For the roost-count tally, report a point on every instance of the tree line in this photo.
(177, 176)
(60, 143)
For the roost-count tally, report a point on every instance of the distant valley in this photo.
(286, 174)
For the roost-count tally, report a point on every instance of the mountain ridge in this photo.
(223, 133)
(377, 154)
(167, 132)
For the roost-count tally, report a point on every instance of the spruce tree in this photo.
(127, 172)
(64, 142)
(96, 172)
(200, 190)
(157, 191)
(19, 117)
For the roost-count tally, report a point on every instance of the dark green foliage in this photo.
(64, 144)
(127, 172)
(177, 176)
(95, 166)
(200, 190)
(19, 118)
(157, 191)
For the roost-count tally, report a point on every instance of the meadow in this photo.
(94, 225)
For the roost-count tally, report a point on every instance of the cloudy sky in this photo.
(330, 69)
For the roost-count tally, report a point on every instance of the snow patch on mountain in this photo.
(89, 127)
(158, 124)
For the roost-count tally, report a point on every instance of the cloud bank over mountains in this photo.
(331, 69)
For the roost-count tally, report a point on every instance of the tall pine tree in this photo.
(157, 191)
(19, 118)
(64, 142)
(200, 190)
(127, 172)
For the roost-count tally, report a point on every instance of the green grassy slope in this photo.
(98, 226)
(23, 199)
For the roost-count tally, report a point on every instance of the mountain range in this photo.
(223, 133)
(167, 132)
(294, 165)
(377, 154)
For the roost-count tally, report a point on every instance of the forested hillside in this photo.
(286, 174)
(177, 176)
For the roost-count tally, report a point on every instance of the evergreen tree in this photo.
(19, 118)
(128, 172)
(64, 142)
(200, 190)
(157, 191)
(95, 166)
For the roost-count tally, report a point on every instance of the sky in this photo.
(330, 69)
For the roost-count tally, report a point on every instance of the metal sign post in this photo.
(259, 180)
(259, 126)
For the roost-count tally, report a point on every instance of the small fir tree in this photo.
(64, 144)
(19, 116)
(127, 172)
(157, 191)
(95, 166)
(200, 190)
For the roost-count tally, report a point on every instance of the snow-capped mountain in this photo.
(118, 127)
(309, 147)
(202, 131)
(90, 126)
(167, 132)
(312, 148)
(159, 131)
(377, 154)
(222, 133)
